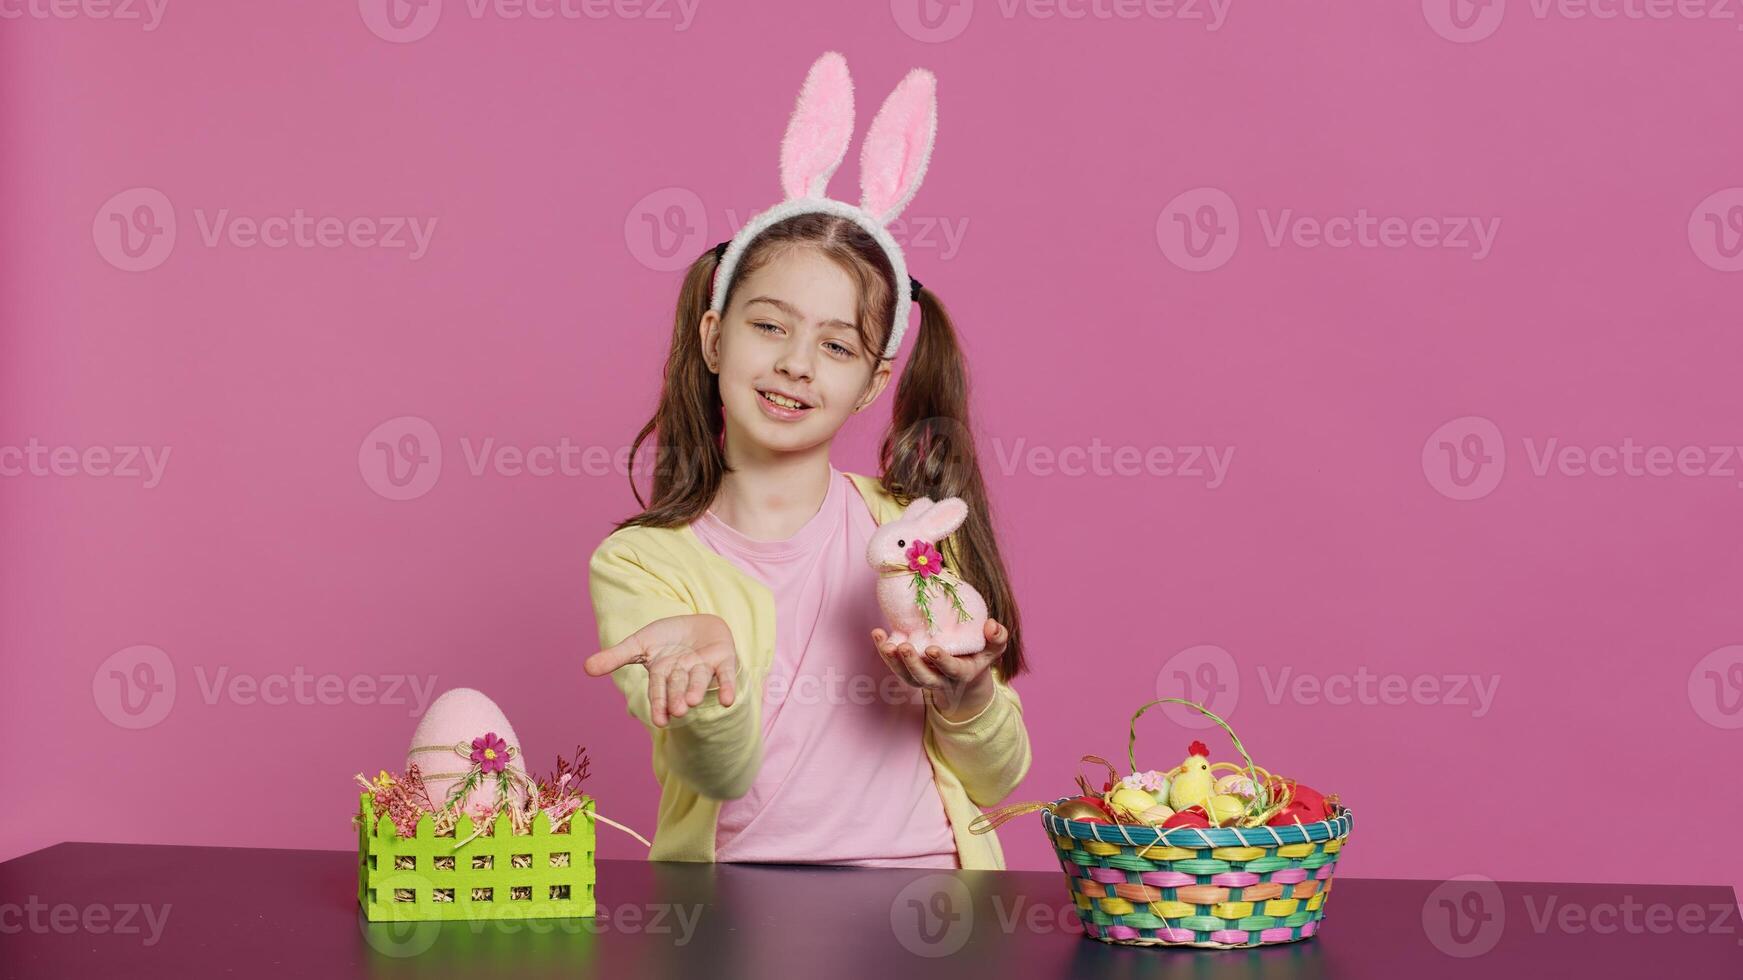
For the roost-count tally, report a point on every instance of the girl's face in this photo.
(789, 334)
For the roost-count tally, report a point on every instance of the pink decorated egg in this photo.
(442, 746)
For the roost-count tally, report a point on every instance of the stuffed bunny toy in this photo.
(927, 604)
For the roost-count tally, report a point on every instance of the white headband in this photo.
(892, 162)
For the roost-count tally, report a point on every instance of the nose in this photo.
(797, 359)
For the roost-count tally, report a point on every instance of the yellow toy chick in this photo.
(1192, 784)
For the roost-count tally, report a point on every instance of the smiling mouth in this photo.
(782, 401)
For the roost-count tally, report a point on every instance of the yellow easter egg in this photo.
(1235, 784)
(1129, 802)
(1225, 807)
(1156, 814)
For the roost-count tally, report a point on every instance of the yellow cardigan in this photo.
(712, 753)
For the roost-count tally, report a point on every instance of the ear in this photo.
(875, 387)
(708, 330)
(942, 518)
(821, 127)
(898, 145)
(916, 507)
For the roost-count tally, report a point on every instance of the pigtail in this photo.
(690, 460)
(929, 451)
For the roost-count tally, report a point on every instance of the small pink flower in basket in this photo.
(490, 753)
(924, 558)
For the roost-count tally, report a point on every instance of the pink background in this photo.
(1605, 609)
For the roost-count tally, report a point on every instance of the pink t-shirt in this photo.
(845, 778)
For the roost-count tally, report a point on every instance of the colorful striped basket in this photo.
(1221, 887)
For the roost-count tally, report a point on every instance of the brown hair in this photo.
(928, 450)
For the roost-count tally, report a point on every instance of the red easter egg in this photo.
(1192, 816)
(1313, 799)
(1291, 814)
(1306, 803)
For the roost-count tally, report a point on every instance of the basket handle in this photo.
(1132, 742)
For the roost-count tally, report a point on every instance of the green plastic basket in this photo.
(501, 875)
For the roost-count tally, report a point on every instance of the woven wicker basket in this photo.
(1219, 887)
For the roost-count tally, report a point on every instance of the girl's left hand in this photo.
(961, 685)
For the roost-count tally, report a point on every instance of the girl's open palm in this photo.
(960, 683)
(681, 653)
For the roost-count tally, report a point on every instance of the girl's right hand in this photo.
(682, 654)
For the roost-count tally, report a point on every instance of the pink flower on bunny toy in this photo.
(924, 558)
(913, 582)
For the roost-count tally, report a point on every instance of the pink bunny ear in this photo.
(821, 127)
(916, 507)
(897, 147)
(943, 517)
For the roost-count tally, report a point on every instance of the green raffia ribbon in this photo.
(506, 780)
(924, 600)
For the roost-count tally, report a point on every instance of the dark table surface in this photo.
(108, 910)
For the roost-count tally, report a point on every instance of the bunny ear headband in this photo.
(892, 161)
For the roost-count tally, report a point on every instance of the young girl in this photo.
(733, 610)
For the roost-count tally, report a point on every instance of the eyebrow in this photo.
(793, 311)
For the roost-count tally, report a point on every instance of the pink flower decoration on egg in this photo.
(924, 558)
(489, 753)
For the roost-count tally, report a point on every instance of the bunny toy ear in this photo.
(943, 517)
(821, 127)
(898, 145)
(916, 507)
